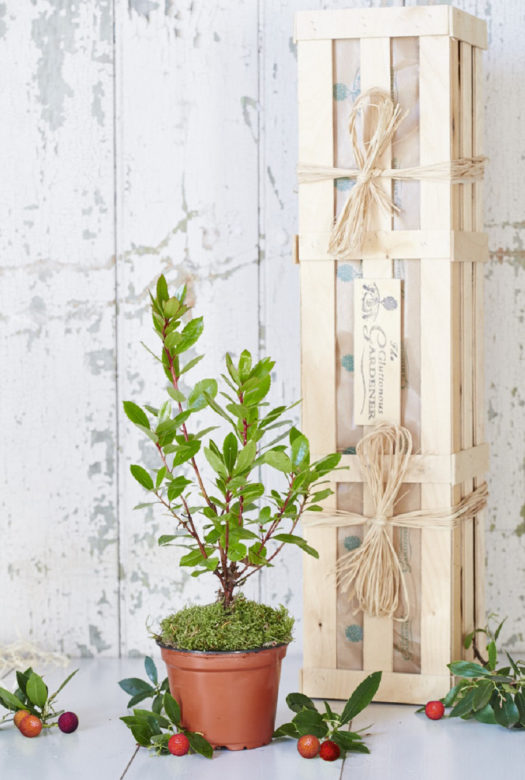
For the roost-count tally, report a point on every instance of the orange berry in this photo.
(308, 746)
(30, 726)
(19, 716)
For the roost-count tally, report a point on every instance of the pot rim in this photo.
(222, 652)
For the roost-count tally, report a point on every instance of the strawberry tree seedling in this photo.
(329, 725)
(160, 728)
(32, 697)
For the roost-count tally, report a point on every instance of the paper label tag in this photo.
(377, 351)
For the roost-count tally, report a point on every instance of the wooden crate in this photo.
(441, 250)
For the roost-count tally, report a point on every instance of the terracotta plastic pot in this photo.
(230, 698)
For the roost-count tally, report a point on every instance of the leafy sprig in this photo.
(329, 724)
(486, 691)
(236, 527)
(153, 728)
(32, 694)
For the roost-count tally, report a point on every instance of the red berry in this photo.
(178, 744)
(329, 751)
(68, 722)
(30, 726)
(308, 746)
(434, 710)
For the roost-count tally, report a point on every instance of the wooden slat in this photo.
(378, 633)
(436, 359)
(436, 469)
(366, 23)
(405, 244)
(316, 209)
(467, 341)
(394, 687)
(478, 314)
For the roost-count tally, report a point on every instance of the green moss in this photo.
(245, 626)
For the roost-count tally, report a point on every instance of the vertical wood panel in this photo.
(58, 558)
(378, 632)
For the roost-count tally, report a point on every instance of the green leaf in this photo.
(299, 541)
(253, 396)
(300, 453)
(507, 714)
(310, 722)
(36, 690)
(153, 718)
(136, 414)
(172, 307)
(451, 696)
(520, 703)
(142, 733)
(193, 558)
(176, 394)
(176, 487)
(298, 702)
(286, 730)
(325, 465)
(166, 539)
(199, 744)
(245, 457)
(493, 655)
(245, 364)
(10, 701)
(134, 686)
(464, 706)
(162, 289)
(348, 740)
(486, 715)
(361, 697)
(197, 398)
(229, 451)
(139, 697)
(191, 363)
(142, 476)
(186, 451)
(62, 685)
(482, 694)
(236, 552)
(161, 473)
(151, 669)
(215, 462)
(278, 460)
(172, 709)
(190, 334)
(468, 669)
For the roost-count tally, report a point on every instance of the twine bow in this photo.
(349, 230)
(372, 572)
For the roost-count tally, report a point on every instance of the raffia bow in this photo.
(349, 230)
(372, 573)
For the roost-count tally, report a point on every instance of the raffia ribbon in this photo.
(372, 573)
(349, 230)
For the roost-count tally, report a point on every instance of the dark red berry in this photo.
(68, 722)
(178, 744)
(434, 710)
(329, 751)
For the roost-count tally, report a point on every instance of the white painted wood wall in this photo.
(160, 135)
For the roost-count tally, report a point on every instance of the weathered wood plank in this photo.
(57, 348)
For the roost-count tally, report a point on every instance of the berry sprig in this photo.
(309, 725)
(160, 728)
(485, 691)
(33, 707)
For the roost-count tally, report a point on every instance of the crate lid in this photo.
(393, 22)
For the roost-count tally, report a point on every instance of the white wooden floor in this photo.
(403, 745)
